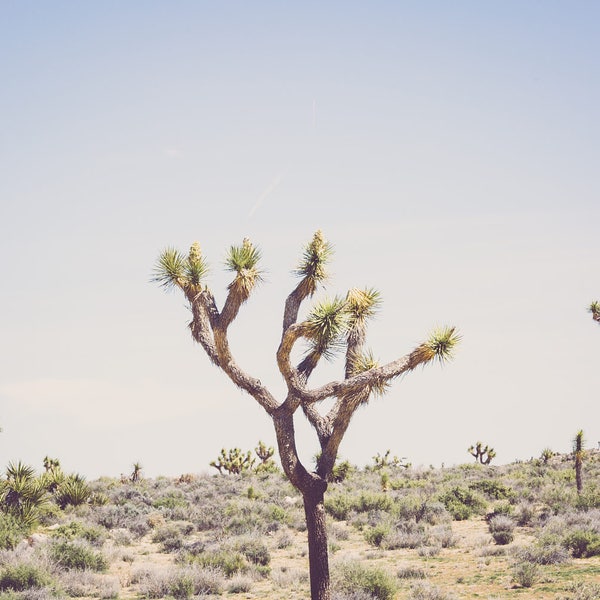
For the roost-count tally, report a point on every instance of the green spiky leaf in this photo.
(243, 260)
(441, 343)
(327, 324)
(362, 305)
(365, 361)
(170, 269)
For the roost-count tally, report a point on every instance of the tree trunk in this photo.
(318, 558)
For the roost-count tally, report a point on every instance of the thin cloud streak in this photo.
(268, 191)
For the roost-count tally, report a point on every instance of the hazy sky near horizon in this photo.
(449, 151)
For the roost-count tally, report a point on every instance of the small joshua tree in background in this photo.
(334, 324)
(136, 473)
(594, 308)
(482, 454)
(578, 455)
(381, 462)
(233, 461)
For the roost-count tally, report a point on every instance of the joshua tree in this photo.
(594, 308)
(578, 454)
(136, 473)
(482, 454)
(233, 461)
(337, 323)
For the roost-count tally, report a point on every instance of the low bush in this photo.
(74, 555)
(582, 544)
(23, 576)
(502, 529)
(525, 574)
(543, 554)
(255, 550)
(427, 591)
(462, 502)
(11, 531)
(354, 577)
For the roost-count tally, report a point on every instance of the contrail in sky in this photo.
(270, 188)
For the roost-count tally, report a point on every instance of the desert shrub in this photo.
(23, 576)
(543, 554)
(171, 535)
(284, 540)
(239, 584)
(525, 514)
(285, 577)
(375, 535)
(128, 515)
(78, 584)
(179, 583)
(229, 562)
(582, 544)
(578, 590)
(525, 574)
(171, 499)
(589, 498)
(443, 536)
(11, 531)
(502, 529)
(493, 489)
(354, 577)
(74, 555)
(428, 551)
(461, 502)
(70, 531)
(405, 534)
(410, 572)
(338, 506)
(427, 591)
(419, 509)
(255, 550)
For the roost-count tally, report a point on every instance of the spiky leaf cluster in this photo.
(327, 325)
(361, 306)
(174, 269)
(243, 260)
(441, 344)
(312, 267)
(365, 361)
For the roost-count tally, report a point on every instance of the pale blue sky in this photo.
(449, 151)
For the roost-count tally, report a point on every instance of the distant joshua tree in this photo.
(482, 454)
(578, 455)
(594, 308)
(338, 323)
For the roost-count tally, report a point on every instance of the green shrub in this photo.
(375, 535)
(493, 489)
(582, 544)
(338, 506)
(11, 531)
(227, 561)
(462, 502)
(354, 577)
(22, 577)
(502, 529)
(73, 530)
(255, 551)
(72, 555)
(525, 574)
